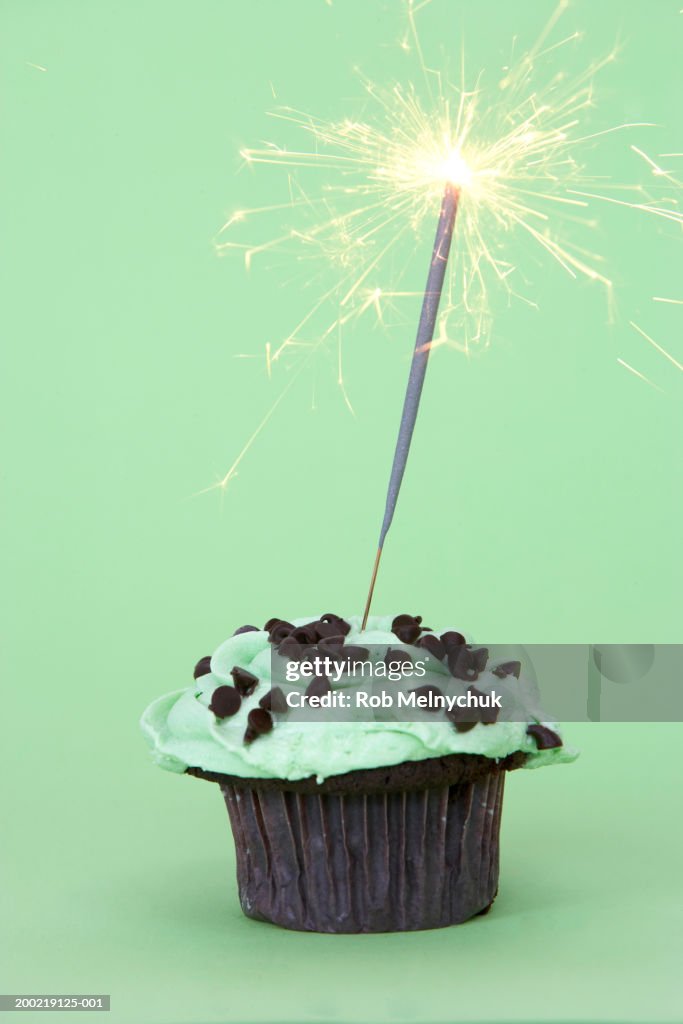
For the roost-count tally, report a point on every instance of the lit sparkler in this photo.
(513, 148)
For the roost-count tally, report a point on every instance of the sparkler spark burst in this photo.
(514, 143)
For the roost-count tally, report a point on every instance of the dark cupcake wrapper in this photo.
(367, 861)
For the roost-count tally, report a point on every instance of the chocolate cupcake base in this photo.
(397, 860)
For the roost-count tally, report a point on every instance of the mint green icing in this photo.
(182, 732)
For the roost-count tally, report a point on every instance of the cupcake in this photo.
(349, 816)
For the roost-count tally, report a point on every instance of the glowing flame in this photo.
(455, 169)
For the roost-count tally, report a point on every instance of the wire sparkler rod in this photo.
(418, 367)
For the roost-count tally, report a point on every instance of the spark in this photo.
(637, 373)
(663, 351)
(655, 345)
(364, 191)
(658, 171)
(224, 480)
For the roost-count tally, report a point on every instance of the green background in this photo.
(542, 504)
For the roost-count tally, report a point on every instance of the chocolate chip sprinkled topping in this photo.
(486, 715)
(424, 691)
(318, 687)
(507, 668)
(433, 645)
(246, 629)
(545, 738)
(466, 662)
(274, 701)
(407, 628)
(270, 623)
(225, 701)
(259, 722)
(452, 639)
(203, 667)
(245, 682)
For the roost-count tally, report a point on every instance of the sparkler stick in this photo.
(418, 367)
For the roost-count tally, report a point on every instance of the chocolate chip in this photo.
(307, 634)
(345, 657)
(466, 663)
(330, 646)
(545, 738)
(274, 701)
(203, 667)
(463, 719)
(270, 623)
(343, 627)
(507, 668)
(310, 653)
(407, 628)
(279, 630)
(460, 663)
(486, 715)
(351, 655)
(225, 701)
(246, 682)
(327, 630)
(290, 649)
(246, 629)
(452, 639)
(481, 656)
(424, 691)
(399, 658)
(318, 687)
(259, 722)
(433, 645)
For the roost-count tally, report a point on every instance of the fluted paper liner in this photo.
(367, 862)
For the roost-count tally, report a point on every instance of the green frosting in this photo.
(182, 732)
